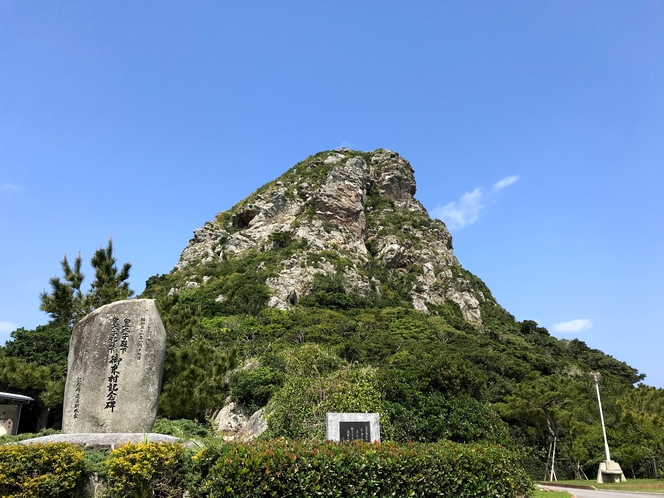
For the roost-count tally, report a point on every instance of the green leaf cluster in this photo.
(266, 468)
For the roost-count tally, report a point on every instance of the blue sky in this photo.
(536, 130)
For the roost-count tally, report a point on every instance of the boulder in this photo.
(232, 422)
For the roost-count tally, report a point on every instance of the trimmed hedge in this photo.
(275, 468)
(301, 468)
(40, 470)
(146, 469)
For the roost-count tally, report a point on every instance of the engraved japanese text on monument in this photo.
(116, 358)
(115, 363)
(351, 431)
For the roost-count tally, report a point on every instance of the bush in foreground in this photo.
(302, 468)
(146, 469)
(40, 470)
(268, 468)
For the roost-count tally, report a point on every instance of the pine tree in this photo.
(109, 284)
(67, 304)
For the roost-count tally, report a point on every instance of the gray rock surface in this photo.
(230, 419)
(330, 200)
(116, 358)
(257, 425)
(103, 441)
(234, 425)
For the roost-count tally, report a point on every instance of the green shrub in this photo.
(254, 388)
(194, 379)
(40, 470)
(305, 468)
(8, 438)
(182, 428)
(95, 463)
(298, 409)
(146, 469)
(329, 291)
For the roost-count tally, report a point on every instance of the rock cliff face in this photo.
(354, 216)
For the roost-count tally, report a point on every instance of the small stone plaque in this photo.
(353, 426)
(350, 431)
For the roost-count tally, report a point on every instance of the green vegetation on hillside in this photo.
(432, 377)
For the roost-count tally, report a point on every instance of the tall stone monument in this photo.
(116, 359)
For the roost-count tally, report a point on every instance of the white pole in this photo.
(601, 416)
(553, 462)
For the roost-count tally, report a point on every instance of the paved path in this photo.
(589, 493)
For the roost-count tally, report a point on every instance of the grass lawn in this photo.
(551, 494)
(649, 485)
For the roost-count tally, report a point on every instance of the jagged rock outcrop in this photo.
(352, 211)
(232, 423)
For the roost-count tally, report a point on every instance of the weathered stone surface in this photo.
(232, 423)
(230, 419)
(116, 358)
(257, 425)
(610, 471)
(103, 441)
(339, 212)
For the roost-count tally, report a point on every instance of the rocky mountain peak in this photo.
(340, 214)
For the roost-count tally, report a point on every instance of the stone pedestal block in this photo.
(116, 359)
(610, 471)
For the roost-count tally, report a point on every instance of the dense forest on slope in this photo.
(331, 289)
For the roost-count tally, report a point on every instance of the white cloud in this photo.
(8, 327)
(10, 187)
(505, 182)
(465, 212)
(577, 325)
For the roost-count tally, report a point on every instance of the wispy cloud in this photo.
(466, 211)
(577, 325)
(8, 327)
(9, 187)
(505, 182)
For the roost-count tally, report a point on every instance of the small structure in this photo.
(10, 412)
(610, 471)
(353, 426)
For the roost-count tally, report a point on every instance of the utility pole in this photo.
(609, 471)
(597, 377)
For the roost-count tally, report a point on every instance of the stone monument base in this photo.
(109, 440)
(610, 471)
